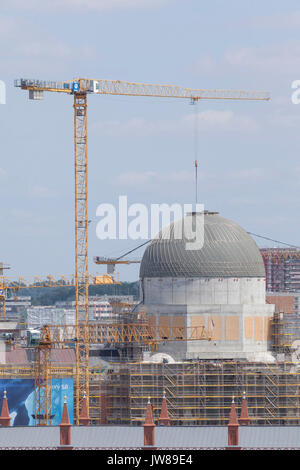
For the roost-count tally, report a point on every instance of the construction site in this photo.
(197, 353)
(202, 331)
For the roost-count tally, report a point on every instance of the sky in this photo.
(144, 148)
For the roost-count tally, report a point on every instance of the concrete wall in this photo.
(238, 331)
(234, 310)
(195, 291)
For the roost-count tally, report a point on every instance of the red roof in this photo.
(18, 356)
(63, 356)
(25, 356)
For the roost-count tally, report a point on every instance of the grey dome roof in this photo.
(228, 251)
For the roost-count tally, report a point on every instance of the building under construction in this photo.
(251, 346)
(254, 347)
(282, 269)
(200, 392)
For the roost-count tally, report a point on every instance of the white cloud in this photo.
(247, 174)
(133, 178)
(265, 63)
(38, 49)
(83, 5)
(287, 120)
(3, 174)
(183, 176)
(207, 120)
(22, 214)
(151, 179)
(37, 191)
(282, 21)
(274, 59)
(135, 127)
(203, 64)
(223, 121)
(234, 177)
(26, 223)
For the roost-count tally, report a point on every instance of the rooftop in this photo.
(168, 437)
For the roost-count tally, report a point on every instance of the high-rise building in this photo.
(99, 307)
(282, 267)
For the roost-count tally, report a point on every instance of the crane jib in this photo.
(117, 87)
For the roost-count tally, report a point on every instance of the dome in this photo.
(228, 251)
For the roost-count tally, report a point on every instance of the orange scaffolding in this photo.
(200, 393)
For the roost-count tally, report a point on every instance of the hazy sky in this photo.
(248, 152)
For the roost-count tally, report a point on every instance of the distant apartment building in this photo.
(282, 269)
(99, 307)
(63, 313)
(37, 317)
(16, 306)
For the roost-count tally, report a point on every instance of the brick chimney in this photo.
(233, 428)
(4, 417)
(65, 429)
(149, 426)
(244, 417)
(84, 419)
(164, 419)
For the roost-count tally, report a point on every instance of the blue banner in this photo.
(20, 398)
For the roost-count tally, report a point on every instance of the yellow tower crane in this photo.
(143, 334)
(80, 88)
(111, 262)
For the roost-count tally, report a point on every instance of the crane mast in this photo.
(80, 88)
(81, 248)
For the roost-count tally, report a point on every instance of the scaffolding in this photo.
(285, 330)
(282, 269)
(200, 393)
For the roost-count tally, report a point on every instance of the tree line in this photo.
(51, 295)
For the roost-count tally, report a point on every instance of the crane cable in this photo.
(275, 241)
(134, 249)
(249, 233)
(196, 129)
